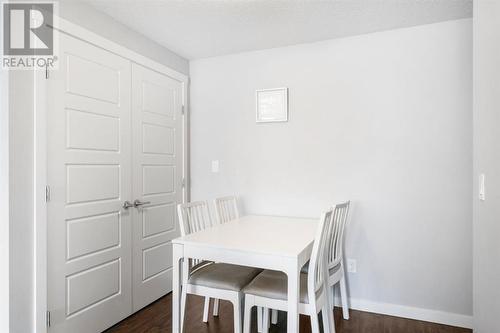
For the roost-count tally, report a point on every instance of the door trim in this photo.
(4, 201)
(40, 153)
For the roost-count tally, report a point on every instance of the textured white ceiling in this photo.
(200, 29)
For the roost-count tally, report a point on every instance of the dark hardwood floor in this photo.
(157, 317)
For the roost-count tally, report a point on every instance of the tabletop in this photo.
(272, 235)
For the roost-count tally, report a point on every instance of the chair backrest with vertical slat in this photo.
(226, 209)
(335, 244)
(193, 217)
(317, 263)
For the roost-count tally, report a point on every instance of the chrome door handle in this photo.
(127, 205)
(138, 203)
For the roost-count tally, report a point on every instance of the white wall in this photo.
(383, 119)
(104, 25)
(487, 161)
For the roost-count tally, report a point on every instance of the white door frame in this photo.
(4, 200)
(40, 154)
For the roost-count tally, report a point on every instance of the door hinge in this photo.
(47, 319)
(183, 109)
(47, 193)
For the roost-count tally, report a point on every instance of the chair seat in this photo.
(274, 284)
(223, 276)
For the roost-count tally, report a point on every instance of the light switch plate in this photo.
(215, 166)
(482, 193)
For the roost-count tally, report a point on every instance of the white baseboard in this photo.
(434, 316)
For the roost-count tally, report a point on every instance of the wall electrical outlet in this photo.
(351, 266)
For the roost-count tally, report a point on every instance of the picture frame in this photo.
(271, 105)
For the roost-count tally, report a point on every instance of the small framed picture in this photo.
(272, 105)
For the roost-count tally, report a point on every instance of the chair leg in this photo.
(343, 297)
(328, 320)
(247, 317)
(274, 316)
(237, 314)
(205, 309)
(242, 310)
(265, 321)
(183, 306)
(332, 300)
(259, 318)
(314, 323)
(216, 307)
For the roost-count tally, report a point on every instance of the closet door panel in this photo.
(157, 179)
(89, 172)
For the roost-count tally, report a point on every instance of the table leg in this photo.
(177, 253)
(293, 273)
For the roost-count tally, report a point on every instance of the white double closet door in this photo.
(115, 134)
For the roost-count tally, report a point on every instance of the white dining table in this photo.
(268, 242)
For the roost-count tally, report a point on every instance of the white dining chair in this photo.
(269, 288)
(335, 249)
(209, 279)
(226, 209)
